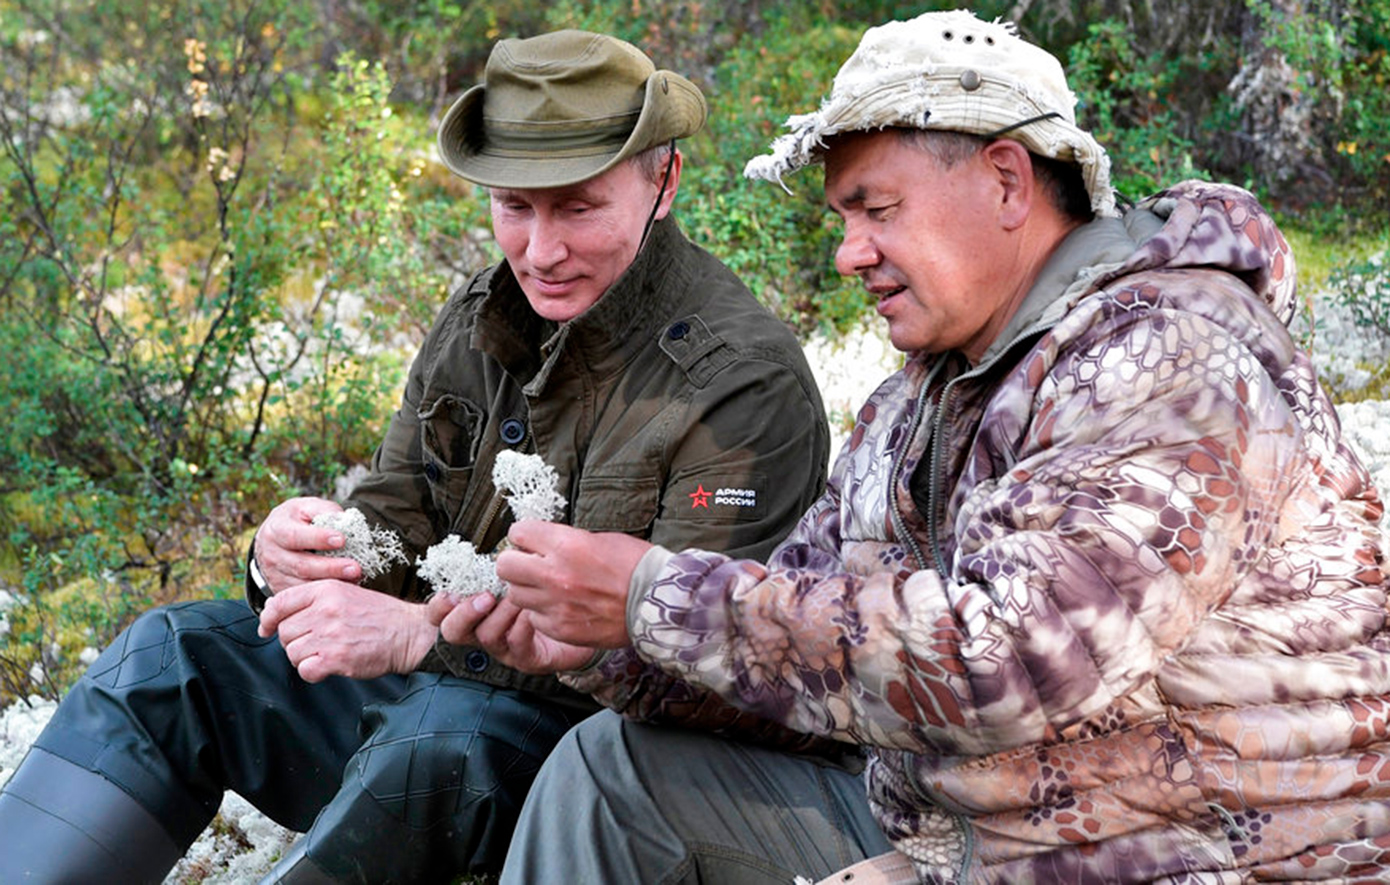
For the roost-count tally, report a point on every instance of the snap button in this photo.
(970, 80)
(512, 431)
(678, 330)
(476, 661)
(431, 471)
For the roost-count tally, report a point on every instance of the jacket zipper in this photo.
(934, 481)
(936, 443)
(899, 521)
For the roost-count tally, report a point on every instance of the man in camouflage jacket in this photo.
(1095, 580)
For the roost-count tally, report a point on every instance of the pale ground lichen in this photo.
(373, 548)
(529, 485)
(452, 566)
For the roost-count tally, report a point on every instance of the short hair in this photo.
(652, 161)
(1062, 182)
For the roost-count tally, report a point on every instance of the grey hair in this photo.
(652, 161)
(1062, 183)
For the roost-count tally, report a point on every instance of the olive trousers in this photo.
(624, 802)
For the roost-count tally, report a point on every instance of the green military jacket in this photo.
(676, 409)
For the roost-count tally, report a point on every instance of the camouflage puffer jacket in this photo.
(1108, 606)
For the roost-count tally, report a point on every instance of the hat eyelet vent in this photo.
(969, 38)
(989, 40)
(948, 35)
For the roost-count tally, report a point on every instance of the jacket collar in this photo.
(1078, 258)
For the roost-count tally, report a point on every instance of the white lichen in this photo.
(528, 483)
(452, 566)
(372, 547)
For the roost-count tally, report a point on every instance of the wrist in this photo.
(421, 635)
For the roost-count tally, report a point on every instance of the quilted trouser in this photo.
(401, 778)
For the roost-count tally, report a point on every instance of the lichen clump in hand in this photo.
(529, 485)
(375, 549)
(453, 566)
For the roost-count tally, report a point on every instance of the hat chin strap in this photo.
(665, 179)
(1021, 123)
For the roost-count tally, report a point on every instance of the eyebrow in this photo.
(855, 198)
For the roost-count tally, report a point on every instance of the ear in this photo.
(1013, 171)
(672, 185)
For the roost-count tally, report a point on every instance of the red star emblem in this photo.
(699, 497)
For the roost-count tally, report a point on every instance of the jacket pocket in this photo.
(450, 431)
(617, 504)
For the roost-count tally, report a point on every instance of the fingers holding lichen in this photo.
(374, 548)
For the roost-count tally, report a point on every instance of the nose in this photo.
(545, 247)
(856, 253)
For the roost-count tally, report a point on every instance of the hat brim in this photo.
(672, 107)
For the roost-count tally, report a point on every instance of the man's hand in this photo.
(574, 583)
(285, 541)
(333, 628)
(505, 632)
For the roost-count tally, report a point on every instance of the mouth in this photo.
(885, 296)
(549, 286)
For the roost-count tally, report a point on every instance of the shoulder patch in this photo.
(716, 497)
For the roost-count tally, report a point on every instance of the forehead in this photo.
(609, 185)
(860, 164)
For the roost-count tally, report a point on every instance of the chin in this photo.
(555, 311)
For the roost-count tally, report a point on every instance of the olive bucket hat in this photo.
(562, 108)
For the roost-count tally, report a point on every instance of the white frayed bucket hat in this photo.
(949, 71)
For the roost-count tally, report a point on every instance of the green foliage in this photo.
(1342, 53)
(206, 307)
(781, 244)
(1126, 99)
(1362, 286)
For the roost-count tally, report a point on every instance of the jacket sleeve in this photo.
(1150, 474)
(749, 461)
(747, 456)
(624, 681)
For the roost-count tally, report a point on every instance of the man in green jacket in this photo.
(669, 403)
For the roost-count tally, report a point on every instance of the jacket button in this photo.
(476, 661)
(513, 431)
(431, 471)
(678, 330)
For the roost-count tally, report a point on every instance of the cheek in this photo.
(510, 234)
